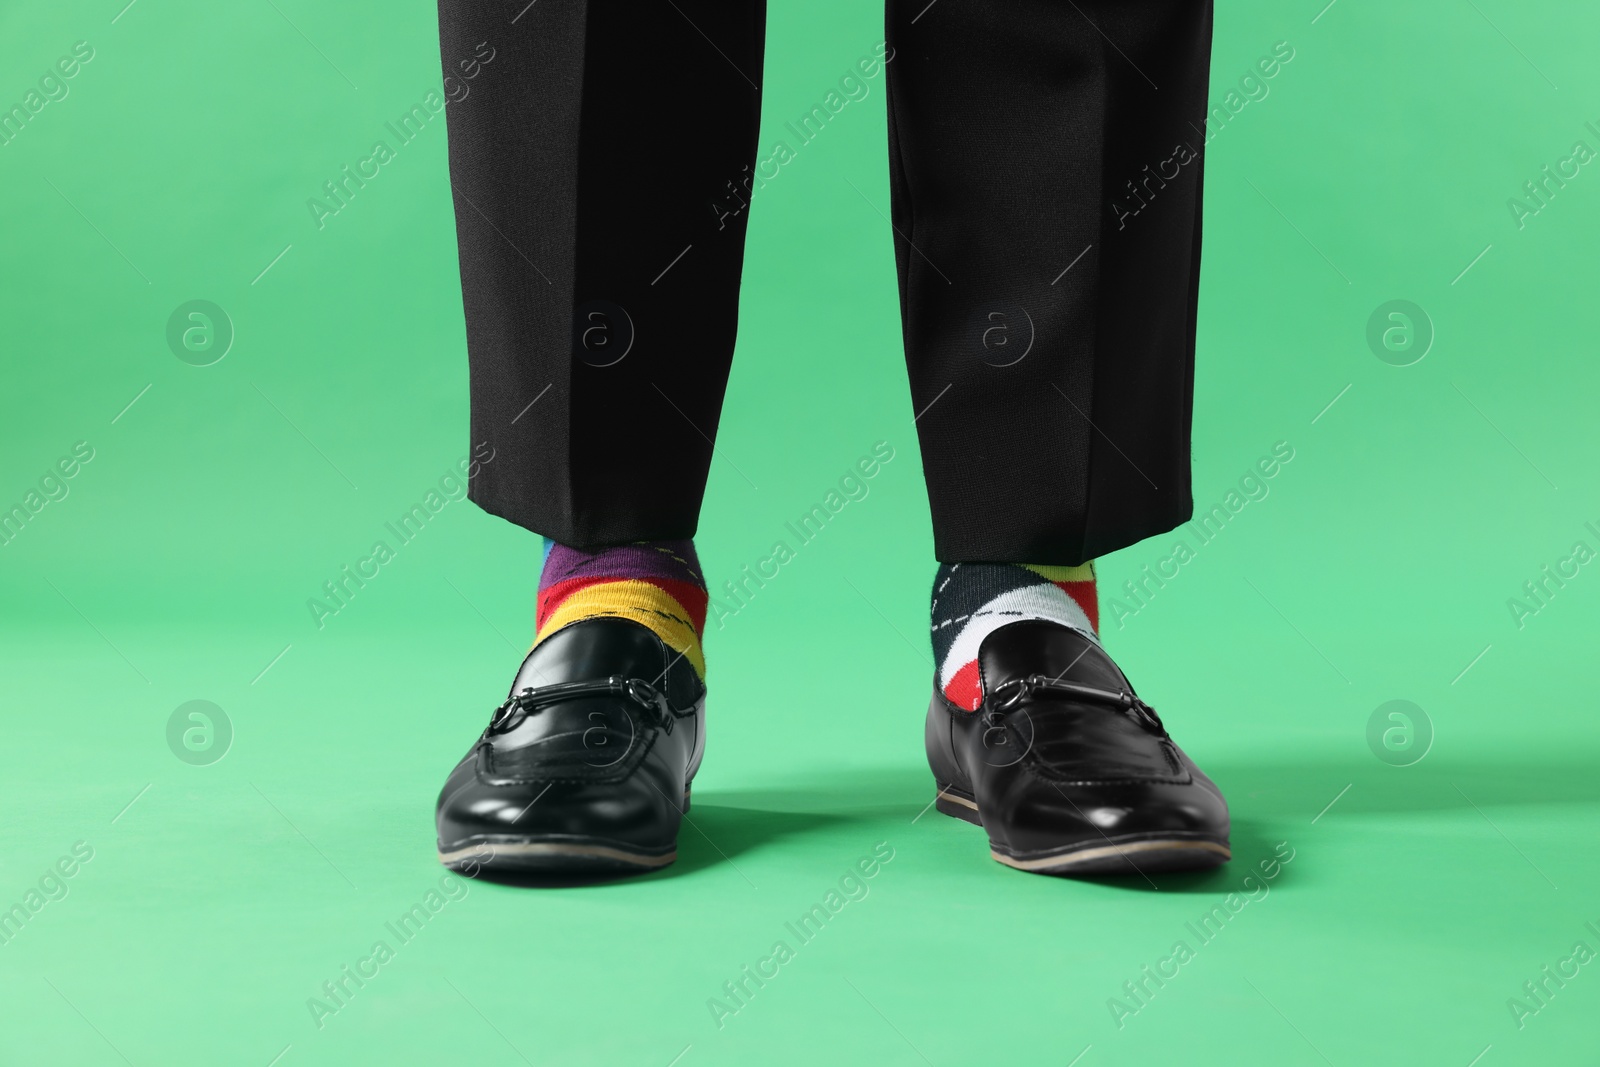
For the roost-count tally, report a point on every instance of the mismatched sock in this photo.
(970, 600)
(657, 584)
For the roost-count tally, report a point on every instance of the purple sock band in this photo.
(672, 560)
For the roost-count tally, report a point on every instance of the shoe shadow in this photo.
(1250, 842)
(1298, 790)
(715, 833)
(723, 824)
(717, 828)
(1283, 801)
(899, 796)
(1272, 802)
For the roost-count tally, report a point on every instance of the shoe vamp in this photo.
(586, 739)
(1081, 743)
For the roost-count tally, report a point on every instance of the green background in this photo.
(221, 897)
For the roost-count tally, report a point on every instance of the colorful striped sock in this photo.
(654, 583)
(971, 600)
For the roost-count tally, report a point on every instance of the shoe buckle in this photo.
(1147, 715)
(1009, 694)
(648, 696)
(1016, 691)
(501, 714)
(532, 698)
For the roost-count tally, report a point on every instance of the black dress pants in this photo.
(1045, 174)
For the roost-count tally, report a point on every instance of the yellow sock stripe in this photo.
(646, 604)
(1083, 572)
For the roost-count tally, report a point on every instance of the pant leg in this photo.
(1045, 167)
(598, 161)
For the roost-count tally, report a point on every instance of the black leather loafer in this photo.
(586, 766)
(1066, 769)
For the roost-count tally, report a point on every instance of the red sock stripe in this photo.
(689, 595)
(550, 599)
(1086, 597)
(963, 690)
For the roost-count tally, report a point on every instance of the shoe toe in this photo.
(638, 810)
(1040, 810)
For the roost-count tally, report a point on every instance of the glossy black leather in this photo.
(592, 780)
(1067, 780)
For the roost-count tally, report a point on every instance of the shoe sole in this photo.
(553, 854)
(1126, 854)
(550, 855)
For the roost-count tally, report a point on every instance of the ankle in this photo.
(657, 584)
(972, 600)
